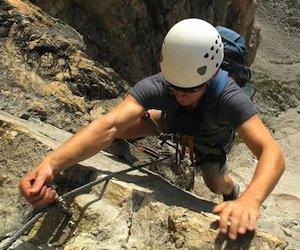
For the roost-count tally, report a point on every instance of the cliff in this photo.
(60, 71)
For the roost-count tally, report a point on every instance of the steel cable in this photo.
(28, 225)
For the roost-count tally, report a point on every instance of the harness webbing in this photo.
(186, 141)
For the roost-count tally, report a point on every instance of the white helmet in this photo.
(192, 52)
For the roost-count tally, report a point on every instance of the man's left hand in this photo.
(236, 217)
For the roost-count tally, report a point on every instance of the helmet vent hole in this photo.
(216, 41)
(206, 55)
(217, 65)
(212, 58)
(212, 48)
(217, 51)
(202, 70)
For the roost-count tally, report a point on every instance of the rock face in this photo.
(53, 75)
(46, 59)
(140, 210)
(47, 74)
(127, 35)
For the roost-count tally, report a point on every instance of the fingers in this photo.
(25, 185)
(39, 182)
(46, 196)
(236, 218)
(235, 225)
(252, 220)
(34, 189)
(219, 208)
(224, 218)
(244, 222)
(26, 182)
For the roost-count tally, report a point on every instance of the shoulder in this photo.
(235, 104)
(150, 83)
(156, 80)
(222, 84)
(233, 91)
(232, 85)
(151, 91)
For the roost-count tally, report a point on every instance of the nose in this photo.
(180, 94)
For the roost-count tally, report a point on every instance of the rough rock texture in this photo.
(139, 211)
(49, 76)
(44, 59)
(127, 35)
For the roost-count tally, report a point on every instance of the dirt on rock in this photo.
(277, 66)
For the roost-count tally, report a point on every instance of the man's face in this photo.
(189, 98)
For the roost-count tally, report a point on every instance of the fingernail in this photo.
(232, 236)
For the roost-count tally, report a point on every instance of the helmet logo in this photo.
(202, 70)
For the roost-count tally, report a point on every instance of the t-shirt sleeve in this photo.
(150, 92)
(235, 106)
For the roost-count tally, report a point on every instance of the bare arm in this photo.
(97, 135)
(270, 164)
(84, 144)
(243, 212)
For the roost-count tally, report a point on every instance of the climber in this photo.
(184, 98)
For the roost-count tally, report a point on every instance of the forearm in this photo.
(269, 169)
(84, 144)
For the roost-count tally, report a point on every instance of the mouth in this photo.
(184, 101)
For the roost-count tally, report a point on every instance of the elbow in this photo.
(278, 158)
(275, 156)
(106, 130)
(111, 133)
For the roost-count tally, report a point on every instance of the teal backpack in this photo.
(235, 51)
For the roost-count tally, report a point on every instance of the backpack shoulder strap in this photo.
(218, 84)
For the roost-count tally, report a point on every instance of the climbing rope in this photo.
(61, 201)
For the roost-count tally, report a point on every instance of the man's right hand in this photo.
(85, 143)
(34, 187)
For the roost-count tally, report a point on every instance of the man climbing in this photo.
(190, 96)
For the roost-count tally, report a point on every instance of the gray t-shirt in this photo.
(210, 122)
